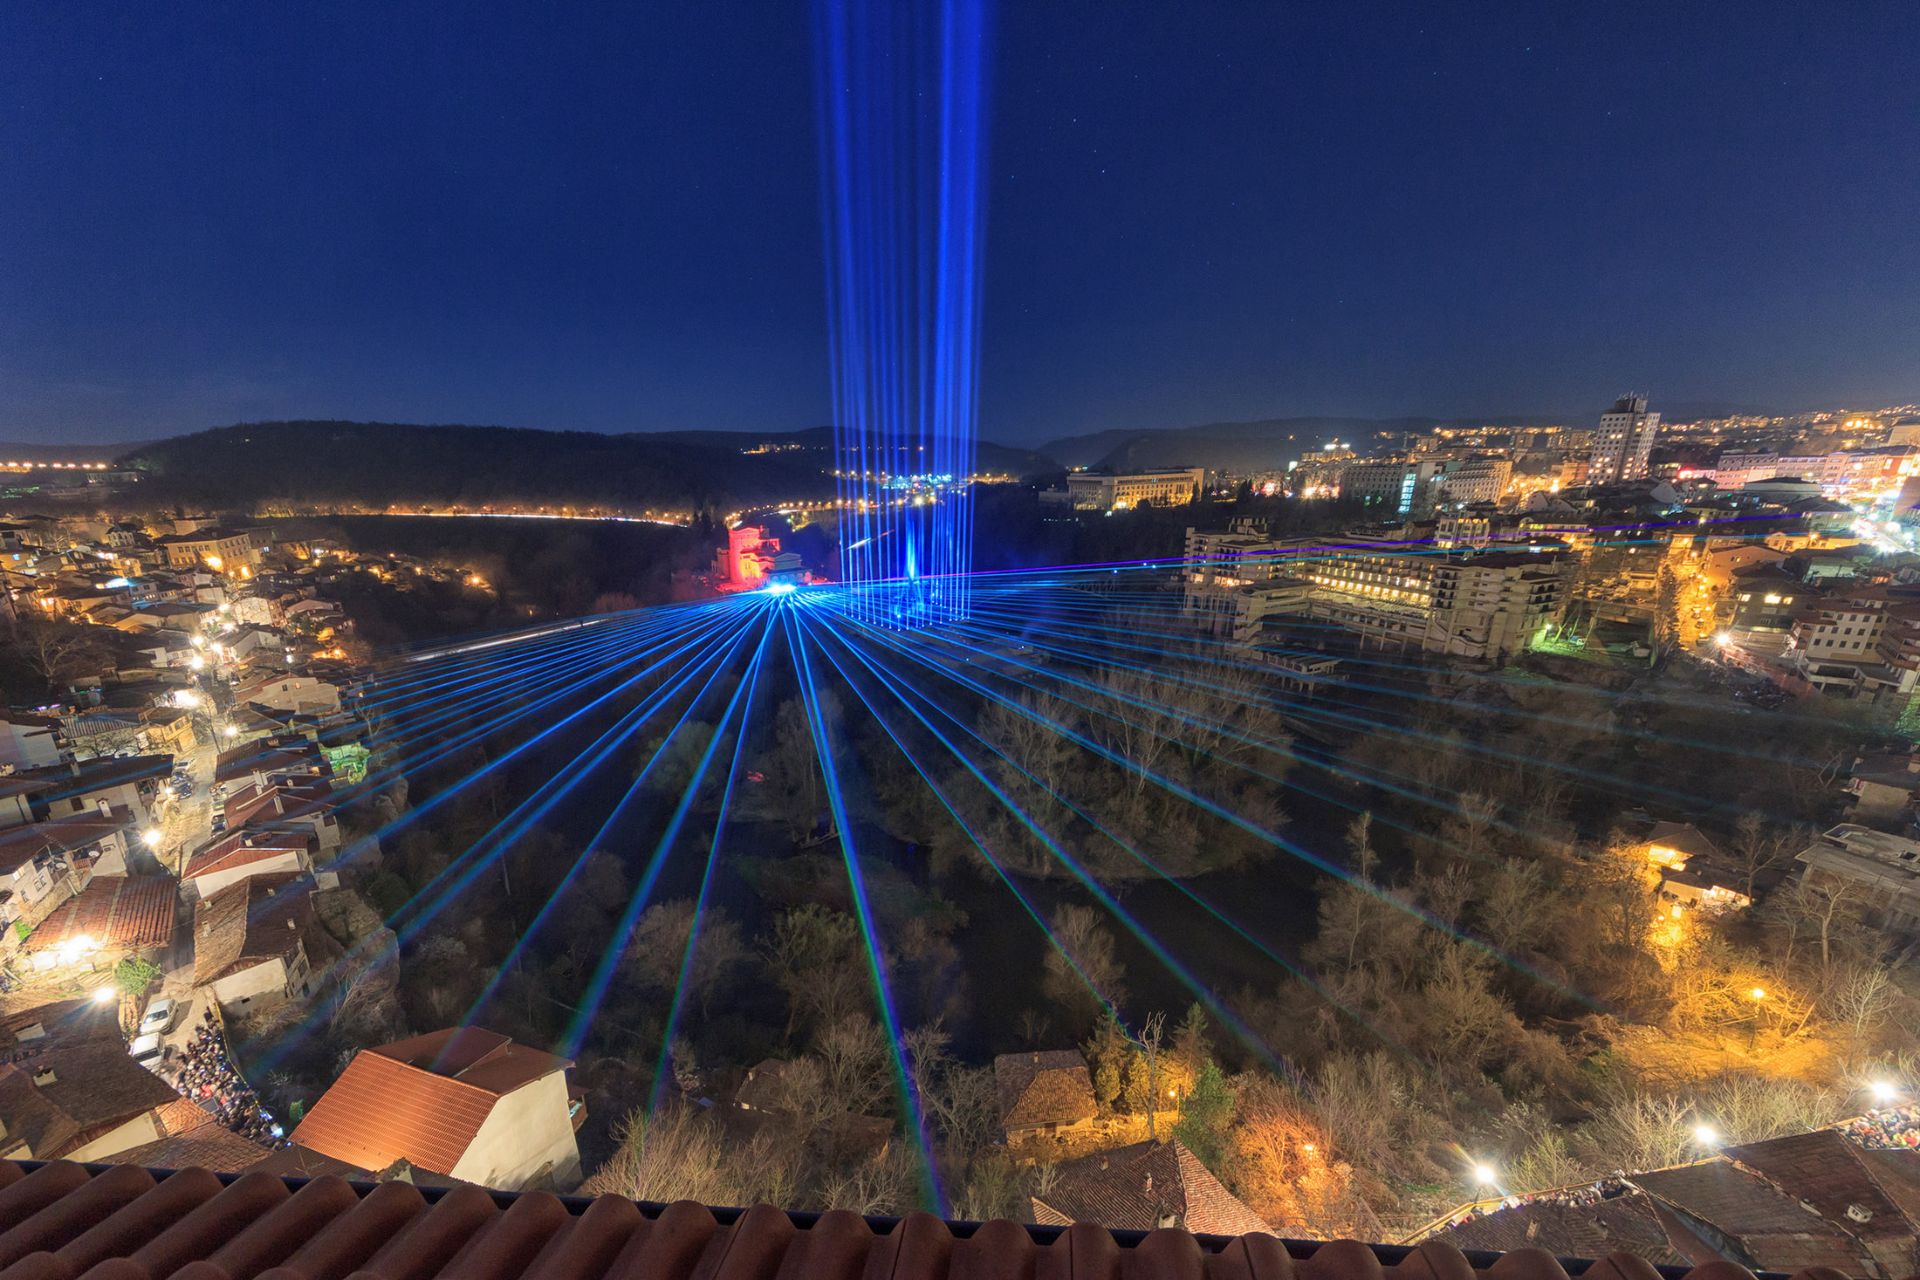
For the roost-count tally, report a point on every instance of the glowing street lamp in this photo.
(104, 995)
(152, 837)
(1706, 1135)
(1485, 1174)
(1884, 1092)
(1758, 994)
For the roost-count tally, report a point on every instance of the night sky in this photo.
(606, 216)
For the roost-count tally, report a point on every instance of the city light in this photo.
(1758, 993)
(1485, 1174)
(1883, 1092)
(1706, 1135)
(197, 663)
(185, 698)
(152, 837)
(105, 995)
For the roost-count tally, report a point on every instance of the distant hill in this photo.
(1002, 458)
(304, 466)
(24, 452)
(1246, 446)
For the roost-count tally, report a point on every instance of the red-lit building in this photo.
(753, 559)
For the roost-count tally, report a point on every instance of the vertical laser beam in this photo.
(901, 97)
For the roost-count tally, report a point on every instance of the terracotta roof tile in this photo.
(120, 913)
(63, 1220)
(236, 849)
(422, 1100)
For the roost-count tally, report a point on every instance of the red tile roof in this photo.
(422, 1100)
(242, 848)
(120, 913)
(126, 1223)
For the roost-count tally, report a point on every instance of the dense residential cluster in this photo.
(174, 818)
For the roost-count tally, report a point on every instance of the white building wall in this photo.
(528, 1130)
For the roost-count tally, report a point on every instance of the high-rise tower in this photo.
(1624, 442)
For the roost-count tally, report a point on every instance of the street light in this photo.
(1706, 1135)
(152, 837)
(1485, 1174)
(1758, 993)
(104, 995)
(1883, 1092)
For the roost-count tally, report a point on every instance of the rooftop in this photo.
(421, 1100)
(119, 913)
(72, 1220)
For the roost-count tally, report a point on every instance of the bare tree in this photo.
(1081, 970)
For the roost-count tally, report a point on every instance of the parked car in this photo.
(150, 1051)
(158, 1019)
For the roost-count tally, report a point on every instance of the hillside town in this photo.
(186, 824)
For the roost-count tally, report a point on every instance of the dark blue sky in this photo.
(605, 216)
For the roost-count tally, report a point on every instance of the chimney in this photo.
(44, 1077)
(106, 810)
(1149, 1186)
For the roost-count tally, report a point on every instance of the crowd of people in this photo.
(1591, 1193)
(207, 1075)
(1887, 1127)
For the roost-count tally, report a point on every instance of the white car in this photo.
(148, 1050)
(158, 1019)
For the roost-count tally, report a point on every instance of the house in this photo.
(1143, 1187)
(29, 741)
(765, 1089)
(191, 1139)
(79, 1101)
(44, 858)
(1883, 869)
(465, 1103)
(1883, 785)
(1668, 844)
(169, 730)
(25, 1032)
(230, 551)
(1044, 1095)
(259, 763)
(113, 917)
(118, 782)
(250, 942)
(237, 855)
(283, 806)
(1692, 870)
(289, 692)
(1786, 1204)
(16, 799)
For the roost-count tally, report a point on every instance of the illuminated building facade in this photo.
(1122, 491)
(1624, 442)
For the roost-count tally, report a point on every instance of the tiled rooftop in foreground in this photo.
(61, 1221)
